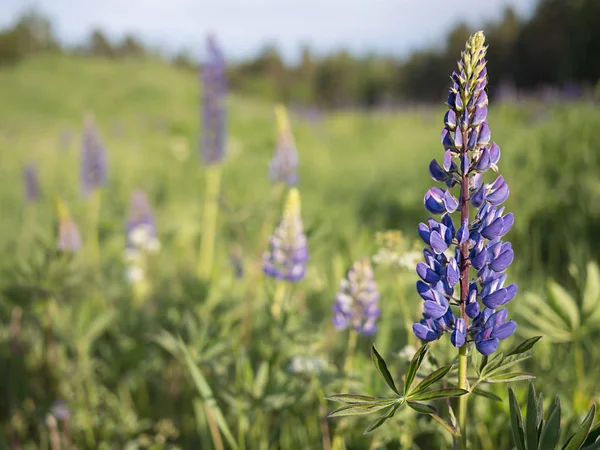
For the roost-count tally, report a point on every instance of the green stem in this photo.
(209, 221)
(352, 338)
(462, 401)
(93, 219)
(279, 299)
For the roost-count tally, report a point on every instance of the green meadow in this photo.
(201, 365)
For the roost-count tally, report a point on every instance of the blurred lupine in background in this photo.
(93, 177)
(31, 182)
(142, 241)
(214, 110)
(286, 258)
(69, 240)
(283, 167)
(357, 302)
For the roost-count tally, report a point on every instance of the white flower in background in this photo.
(307, 364)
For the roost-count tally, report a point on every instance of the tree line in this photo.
(558, 46)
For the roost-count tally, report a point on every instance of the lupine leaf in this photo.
(531, 431)
(564, 303)
(486, 394)
(384, 372)
(441, 393)
(491, 365)
(576, 440)
(422, 407)
(594, 434)
(354, 409)
(516, 420)
(509, 361)
(591, 293)
(539, 325)
(542, 314)
(357, 398)
(430, 379)
(483, 363)
(592, 446)
(524, 346)
(446, 425)
(476, 361)
(509, 377)
(381, 420)
(414, 365)
(551, 429)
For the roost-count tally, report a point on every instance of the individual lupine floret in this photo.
(288, 252)
(284, 164)
(357, 301)
(214, 83)
(469, 153)
(93, 158)
(69, 240)
(32, 183)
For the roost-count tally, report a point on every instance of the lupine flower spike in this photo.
(357, 302)
(284, 165)
(93, 158)
(32, 183)
(469, 153)
(287, 255)
(453, 249)
(68, 240)
(214, 85)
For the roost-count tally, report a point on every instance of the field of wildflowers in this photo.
(185, 268)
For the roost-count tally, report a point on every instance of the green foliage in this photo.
(537, 432)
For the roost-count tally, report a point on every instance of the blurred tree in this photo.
(99, 45)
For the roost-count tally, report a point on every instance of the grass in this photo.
(128, 379)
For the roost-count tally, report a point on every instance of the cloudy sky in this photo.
(244, 26)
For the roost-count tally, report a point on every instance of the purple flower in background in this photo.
(93, 158)
(288, 252)
(32, 183)
(357, 301)
(141, 226)
(469, 154)
(284, 164)
(214, 85)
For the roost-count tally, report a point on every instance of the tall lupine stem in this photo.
(213, 149)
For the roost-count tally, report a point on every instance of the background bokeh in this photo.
(88, 361)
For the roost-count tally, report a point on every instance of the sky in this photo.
(243, 27)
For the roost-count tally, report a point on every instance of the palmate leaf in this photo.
(414, 366)
(505, 364)
(486, 394)
(491, 365)
(384, 372)
(540, 314)
(422, 407)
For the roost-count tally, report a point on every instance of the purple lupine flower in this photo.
(288, 252)
(93, 158)
(284, 164)
(141, 227)
(357, 301)
(32, 183)
(469, 153)
(60, 410)
(214, 85)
